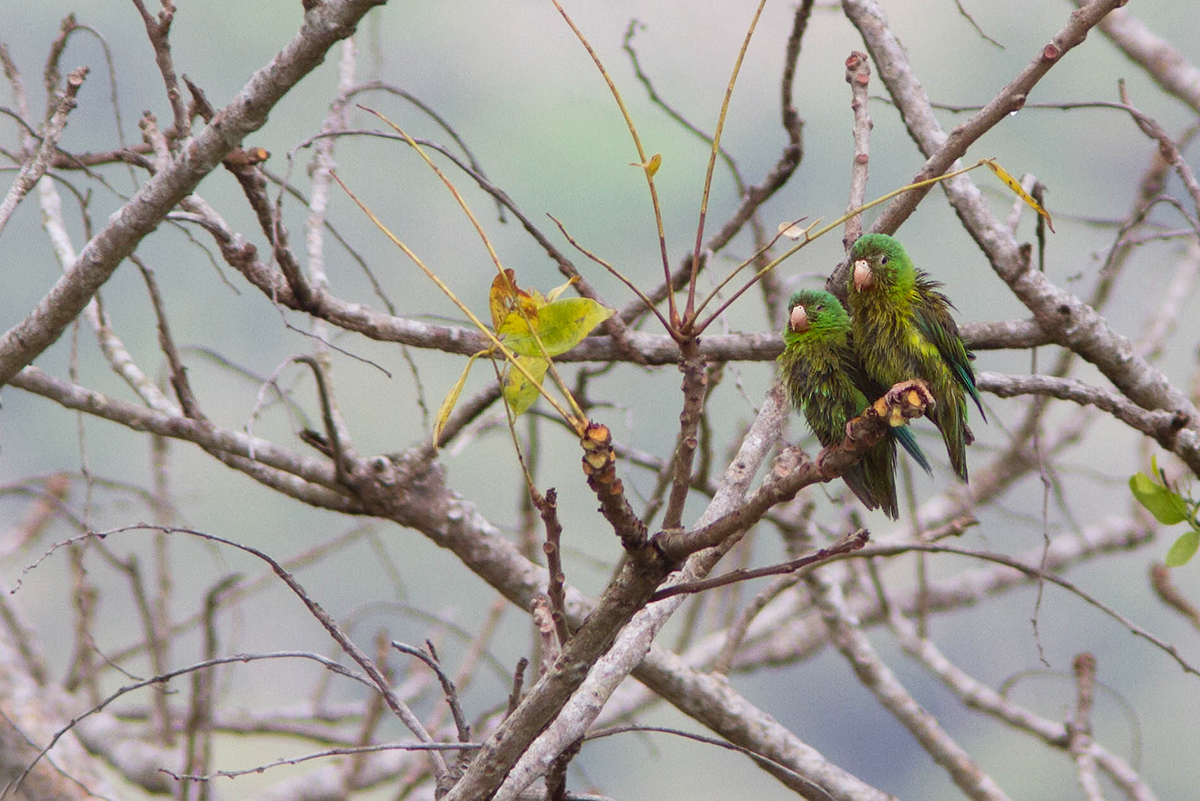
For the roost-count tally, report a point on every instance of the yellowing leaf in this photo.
(561, 288)
(505, 297)
(1015, 186)
(519, 391)
(504, 289)
(515, 328)
(560, 325)
(443, 413)
(792, 230)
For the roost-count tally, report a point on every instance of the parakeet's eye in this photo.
(882, 260)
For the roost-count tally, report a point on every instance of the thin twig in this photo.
(849, 639)
(1033, 573)
(33, 169)
(547, 507)
(858, 75)
(1169, 594)
(849, 543)
(158, 31)
(643, 159)
(712, 163)
(448, 689)
(199, 725)
(398, 707)
(1079, 728)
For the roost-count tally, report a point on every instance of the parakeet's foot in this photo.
(904, 401)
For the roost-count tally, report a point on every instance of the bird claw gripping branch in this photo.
(904, 401)
(901, 403)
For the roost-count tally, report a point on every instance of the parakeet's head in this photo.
(816, 313)
(877, 260)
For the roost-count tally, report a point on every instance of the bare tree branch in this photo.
(329, 22)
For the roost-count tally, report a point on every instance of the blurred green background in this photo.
(520, 90)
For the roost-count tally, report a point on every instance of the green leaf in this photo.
(443, 413)
(519, 391)
(561, 325)
(1183, 549)
(1168, 507)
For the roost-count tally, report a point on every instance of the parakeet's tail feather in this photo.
(956, 436)
(857, 484)
(933, 319)
(978, 404)
(904, 436)
(871, 497)
(957, 451)
(873, 479)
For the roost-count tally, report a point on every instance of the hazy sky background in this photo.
(521, 92)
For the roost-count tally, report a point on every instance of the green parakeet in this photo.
(825, 382)
(903, 329)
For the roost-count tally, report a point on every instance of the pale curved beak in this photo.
(799, 320)
(863, 277)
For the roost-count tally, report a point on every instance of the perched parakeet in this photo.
(826, 383)
(903, 329)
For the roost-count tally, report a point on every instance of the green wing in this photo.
(873, 390)
(931, 313)
(814, 374)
